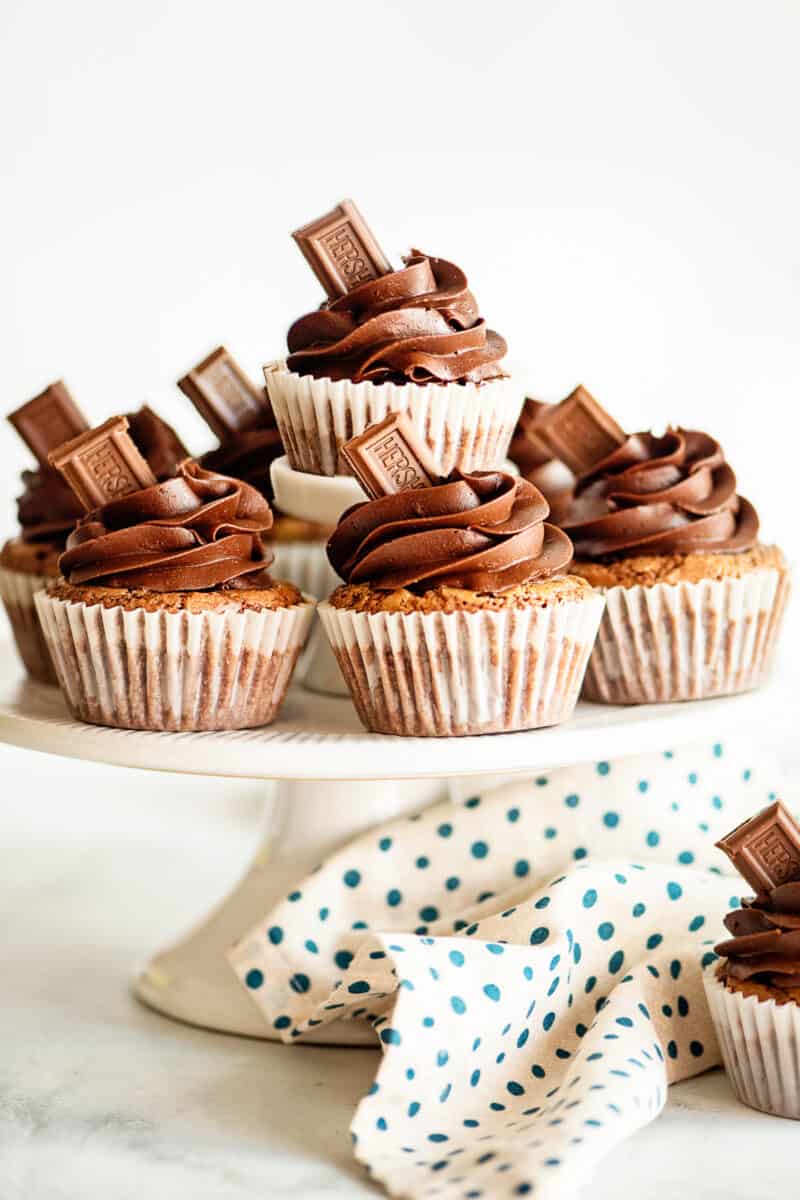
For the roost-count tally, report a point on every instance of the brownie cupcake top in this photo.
(420, 324)
(674, 494)
(484, 532)
(195, 532)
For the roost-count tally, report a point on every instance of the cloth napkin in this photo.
(530, 959)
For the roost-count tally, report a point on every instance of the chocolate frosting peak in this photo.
(420, 324)
(195, 532)
(765, 945)
(484, 531)
(674, 494)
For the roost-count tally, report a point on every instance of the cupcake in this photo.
(47, 510)
(693, 599)
(240, 415)
(166, 617)
(456, 616)
(754, 989)
(410, 340)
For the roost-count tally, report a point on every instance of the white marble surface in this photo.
(100, 1098)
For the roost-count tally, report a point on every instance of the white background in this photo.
(621, 182)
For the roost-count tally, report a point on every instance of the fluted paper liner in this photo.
(306, 565)
(453, 674)
(18, 589)
(760, 1045)
(465, 425)
(135, 669)
(686, 641)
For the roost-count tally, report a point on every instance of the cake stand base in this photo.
(192, 980)
(334, 781)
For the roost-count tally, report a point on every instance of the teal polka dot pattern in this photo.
(551, 990)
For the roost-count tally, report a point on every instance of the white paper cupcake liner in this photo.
(686, 641)
(134, 669)
(306, 565)
(455, 674)
(17, 589)
(760, 1045)
(465, 425)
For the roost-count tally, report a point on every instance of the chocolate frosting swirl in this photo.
(765, 945)
(195, 532)
(420, 324)
(47, 509)
(484, 531)
(674, 494)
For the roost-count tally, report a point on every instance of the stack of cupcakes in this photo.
(166, 618)
(694, 600)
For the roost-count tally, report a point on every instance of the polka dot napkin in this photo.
(530, 959)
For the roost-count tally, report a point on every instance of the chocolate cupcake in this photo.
(167, 618)
(240, 415)
(410, 340)
(754, 990)
(693, 599)
(456, 615)
(47, 509)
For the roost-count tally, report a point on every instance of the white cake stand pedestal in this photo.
(334, 782)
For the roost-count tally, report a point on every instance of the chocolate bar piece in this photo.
(389, 457)
(47, 420)
(226, 398)
(579, 431)
(341, 250)
(766, 849)
(102, 464)
(536, 452)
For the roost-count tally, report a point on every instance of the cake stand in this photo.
(334, 781)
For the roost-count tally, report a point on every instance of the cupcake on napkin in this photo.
(693, 599)
(456, 616)
(241, 417)
(47, 509)
(166, 618)
(754, 991)
(410, 340)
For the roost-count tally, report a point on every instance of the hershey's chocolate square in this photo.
(341, 250)
(389, 457)
(103, 464)
(578, 431)
(226, 398)
(48, 420)
(766, 849)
